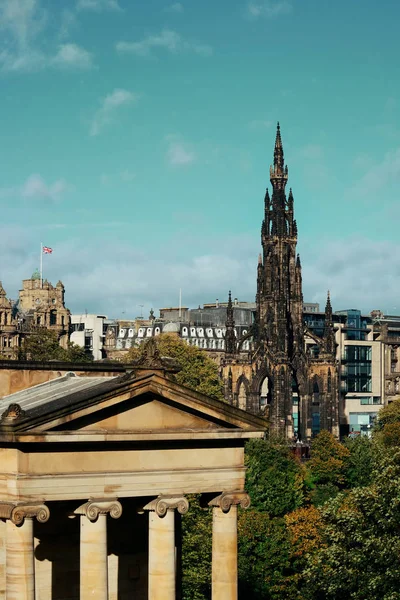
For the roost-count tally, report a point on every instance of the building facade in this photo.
(40, 304)
(87, 331)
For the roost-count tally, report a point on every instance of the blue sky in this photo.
(136, 139)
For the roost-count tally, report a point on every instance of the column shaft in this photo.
(224, 554)
(162, 556)
(93, 559)
(20, 571)
(3, 529)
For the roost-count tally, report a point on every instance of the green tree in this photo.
(274, 478)
(42, 345)
(198, 371)
(75, 353)
(360, 557)
(196, 551)
(264, 564)
(327, 467)
(360, 462)
(388, 414)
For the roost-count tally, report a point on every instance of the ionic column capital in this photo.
(17, 513)
(102, 506)
(227, 499)
(162, 504)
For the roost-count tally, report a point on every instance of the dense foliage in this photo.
(42, 345)
(326, 530)
(198, 371)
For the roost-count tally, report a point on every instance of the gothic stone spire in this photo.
(329, 333)
(230, 338)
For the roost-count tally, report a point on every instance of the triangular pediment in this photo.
(150, 414)
(152, 403)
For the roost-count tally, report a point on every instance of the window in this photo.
(370, 400)
(184, 331)
(357, 353)
(358, 373)
(121, 333)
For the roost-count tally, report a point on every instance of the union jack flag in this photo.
(47, 250)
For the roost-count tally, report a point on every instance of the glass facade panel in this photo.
(358, 372)
(361, 423)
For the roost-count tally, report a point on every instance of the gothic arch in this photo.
(316, 381)
(243, 379)
(242, 391)
(259, 377)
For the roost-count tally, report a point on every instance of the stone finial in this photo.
(227, 499)
(17, 513)
(151, 358)
(13, 413)
(162, 504)
(95, 507)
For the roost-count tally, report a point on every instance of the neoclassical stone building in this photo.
(289, 372)
(94, 479)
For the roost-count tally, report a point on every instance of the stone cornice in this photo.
(17, 513)
(102, 506)
(162, 504)
(227, 499)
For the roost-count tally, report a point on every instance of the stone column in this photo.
(224, 544)
(20, 561)
(162, 562)
(93, 547)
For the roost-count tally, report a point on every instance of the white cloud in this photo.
(388, 171)
(269, 8)
(176, 7)
(98, 5)
(179, 154)
(127, 175)
(105, 115)
(360, 273)
(311, 152)
(21, 22)
(35, 188)
(260, 124)
(71, 56)
(68, 22)
(167, 40)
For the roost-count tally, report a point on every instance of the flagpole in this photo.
(41, 264)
